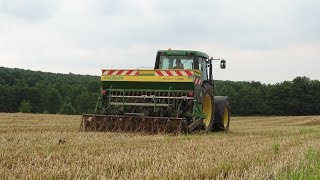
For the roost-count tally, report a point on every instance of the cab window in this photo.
(176, 62)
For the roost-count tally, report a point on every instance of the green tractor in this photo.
(176, 96)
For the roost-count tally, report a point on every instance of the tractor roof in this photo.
(183, 52)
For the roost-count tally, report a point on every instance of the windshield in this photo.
(176, 62)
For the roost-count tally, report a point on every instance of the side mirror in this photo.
(223, 64)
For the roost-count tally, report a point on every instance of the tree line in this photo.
(43, 92)
(301, 96)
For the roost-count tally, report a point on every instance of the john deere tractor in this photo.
(176, 96)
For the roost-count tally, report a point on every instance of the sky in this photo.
(262, 40)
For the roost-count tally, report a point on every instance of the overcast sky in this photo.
(268, 41)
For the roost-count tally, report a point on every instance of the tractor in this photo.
(176, 96)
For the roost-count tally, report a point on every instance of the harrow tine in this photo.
(128, 124)
(119, 125)
(143, 125)
(94, 123)
(115, 124)
(167, 127)
(150, 125)
(107, 125)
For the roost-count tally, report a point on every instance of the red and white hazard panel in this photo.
(174, 73)
(120, 72)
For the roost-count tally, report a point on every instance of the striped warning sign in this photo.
(197, 81)
(174, 73)
(120, 72)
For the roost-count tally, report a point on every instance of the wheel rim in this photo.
(207, 109)
(225, 117)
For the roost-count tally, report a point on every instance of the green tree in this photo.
(34, 95)
(67, 108)
(71, 93)
(53, 101)
(25, 107)
(86, 103)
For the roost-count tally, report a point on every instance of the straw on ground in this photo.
(51, 146)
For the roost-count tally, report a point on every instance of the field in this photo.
(51, 146)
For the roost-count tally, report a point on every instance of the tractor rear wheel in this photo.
(222, 114)
(208, 108)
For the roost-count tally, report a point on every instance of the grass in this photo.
(309, 168)
(52, 147)
(276, 147)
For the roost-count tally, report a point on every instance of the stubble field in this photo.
(52, 147)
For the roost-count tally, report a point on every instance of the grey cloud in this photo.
(31, 10)
(84, 36)
(230, 23)
(306, 20)
(233, 24)
(115, 8)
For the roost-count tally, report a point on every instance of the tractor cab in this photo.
(187, 60)
(179, 59)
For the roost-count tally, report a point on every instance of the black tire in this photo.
(222, 114)
(208, 98)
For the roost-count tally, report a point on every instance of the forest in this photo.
(43, 92)
(54, 93)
